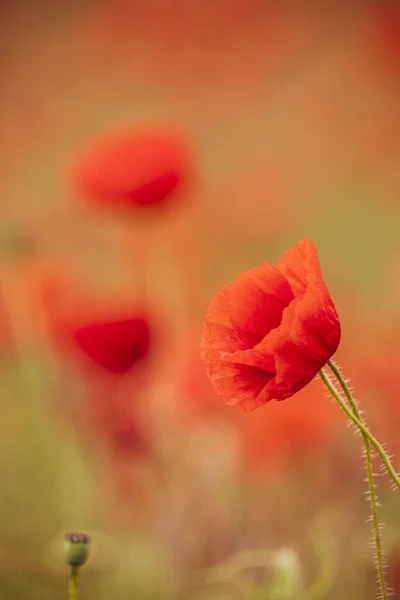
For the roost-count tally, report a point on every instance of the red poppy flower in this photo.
(115, 345)
(269, 332)
(385, 34)
(133, 167)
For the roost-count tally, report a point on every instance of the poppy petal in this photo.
(269, 332)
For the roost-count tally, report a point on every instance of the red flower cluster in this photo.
(269, 332)
(133, 167)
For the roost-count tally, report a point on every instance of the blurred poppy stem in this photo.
(73, 584)
(368, 465)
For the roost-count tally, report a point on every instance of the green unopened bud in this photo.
(76, 549)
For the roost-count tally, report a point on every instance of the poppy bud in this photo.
(76, 549)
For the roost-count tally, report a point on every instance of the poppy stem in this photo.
(73, 584)
(358, 421)
(368, 464)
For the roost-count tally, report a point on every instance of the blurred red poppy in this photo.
(34, 295)
(113, 413)
(114, 345)
(107, 334)
(195, 394)
(133, 167)
(384, 34)
(108, 342)
(372, 364)
(116, 427)
(290, 432)
(269, 332)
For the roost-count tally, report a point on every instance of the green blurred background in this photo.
(293, 113)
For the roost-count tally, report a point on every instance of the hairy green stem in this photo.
(368, 464)
(354, 414)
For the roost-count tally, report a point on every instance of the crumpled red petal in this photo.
(269, 332)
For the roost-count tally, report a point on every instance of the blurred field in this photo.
(293, 116)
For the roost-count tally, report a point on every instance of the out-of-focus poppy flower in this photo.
(269, 332)
(127, 437)
(45, 283)
(116, 428)
(115, 345)
(36, 285)
(113, 414)
(109, 335)
(196, 396)
(109, 343)
(288, 432)
(133, 167)
(384, 34)
(372, 364)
